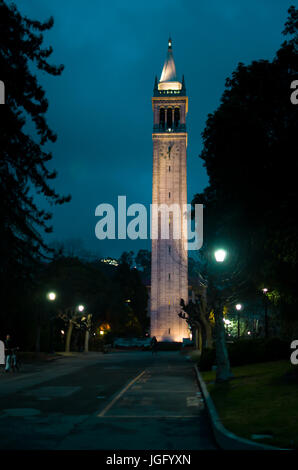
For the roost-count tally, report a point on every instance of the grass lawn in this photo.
(259, 400)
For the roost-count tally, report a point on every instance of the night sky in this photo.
(101, 105)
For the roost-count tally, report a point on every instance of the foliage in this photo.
(207, 359)
(250, 203)
(24, 159)
(250, 351)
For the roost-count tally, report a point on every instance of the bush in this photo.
(248, 351)
(252, 351)
(207, 359)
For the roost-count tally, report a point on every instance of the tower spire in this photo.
(169, 70)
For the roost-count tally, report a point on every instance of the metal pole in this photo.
(238, 315)
(266, 317)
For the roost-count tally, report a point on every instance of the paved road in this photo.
(121, 400)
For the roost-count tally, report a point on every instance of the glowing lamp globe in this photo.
(220, 255)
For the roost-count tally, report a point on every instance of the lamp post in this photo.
(265, 290)
(51, 296)
(223, 370)
(238, 308)
(81, 309)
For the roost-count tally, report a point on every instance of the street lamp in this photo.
(238, 308)
(265, 290)
(220, 255)
(81, 308)
(51, 296)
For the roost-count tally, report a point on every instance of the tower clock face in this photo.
(168, 150)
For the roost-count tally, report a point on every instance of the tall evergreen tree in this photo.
(250, 143)
(24, 155)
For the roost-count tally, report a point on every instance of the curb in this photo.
(225, 439)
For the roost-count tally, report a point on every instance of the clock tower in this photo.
(169, 278)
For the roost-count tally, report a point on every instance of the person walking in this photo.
(8, 346)
(154, 345)
(11, 359)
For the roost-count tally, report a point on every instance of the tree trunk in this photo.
(196, 332)
(223, 370)
(200, 341)
(87, 334)
(38, 329)
(208, 331)
(205, 320)
(68, 337)
(37, 342)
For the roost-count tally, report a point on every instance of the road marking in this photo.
(163, 390)
(192, 401)
(116, 398)
(149, 416)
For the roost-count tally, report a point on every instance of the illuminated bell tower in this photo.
(169, 280)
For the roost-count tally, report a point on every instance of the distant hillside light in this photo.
(220, 255)
(238, 307)
(81, 308)
(265, 290)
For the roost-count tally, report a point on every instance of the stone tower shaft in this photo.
(169, 279)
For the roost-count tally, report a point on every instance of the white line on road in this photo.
(148, 390)
(116, 398)
(150, 416)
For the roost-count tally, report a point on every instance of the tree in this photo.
(71, 317)
(143, 261)
(132, 291)
(196, 313)
(249, 143)
(127, 257)
(75, 282)
(24, 157)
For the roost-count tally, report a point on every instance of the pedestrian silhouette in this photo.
(154, 345)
